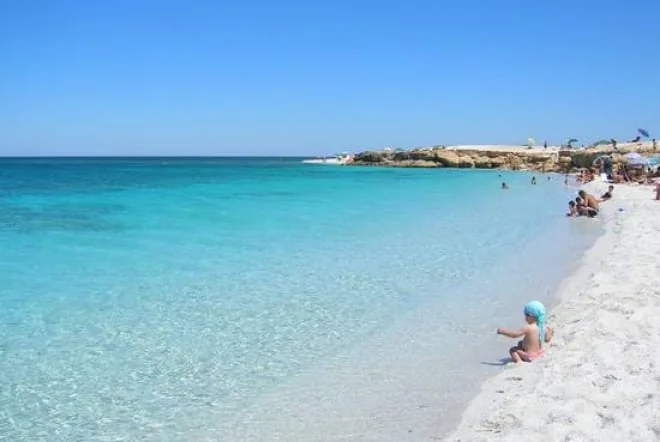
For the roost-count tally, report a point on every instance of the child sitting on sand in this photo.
(535, 333)
(580, 206)
(572, 209)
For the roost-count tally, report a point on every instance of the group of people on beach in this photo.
(585, 176)
(586, 204)
(535, 333)
(621, 175)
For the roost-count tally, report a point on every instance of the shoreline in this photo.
(395, 383)
(599, 378)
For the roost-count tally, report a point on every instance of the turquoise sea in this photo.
(158, 299)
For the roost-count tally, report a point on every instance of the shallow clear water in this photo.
(144, 299)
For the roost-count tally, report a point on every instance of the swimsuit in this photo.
(531, 356)
(528, 356)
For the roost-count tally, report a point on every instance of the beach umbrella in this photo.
(632, 156)
(643, 133)
(531, 141)
(637, 162)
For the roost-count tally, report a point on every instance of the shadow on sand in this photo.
(502, 362)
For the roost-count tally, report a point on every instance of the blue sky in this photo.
(162, 77)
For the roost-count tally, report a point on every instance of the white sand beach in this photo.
(600, 378)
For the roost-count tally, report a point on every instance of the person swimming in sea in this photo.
(535, 334)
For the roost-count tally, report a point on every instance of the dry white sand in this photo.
(600, 379)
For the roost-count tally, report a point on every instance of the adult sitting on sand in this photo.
(607, 195)
(590, 202)
(535, 333)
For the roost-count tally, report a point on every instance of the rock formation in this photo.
(497, 158)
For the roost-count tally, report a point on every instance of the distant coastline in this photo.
(550, 159)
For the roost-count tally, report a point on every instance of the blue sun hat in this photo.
(537, 310)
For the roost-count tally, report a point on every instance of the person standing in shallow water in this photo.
(505, 186)
(533, 180)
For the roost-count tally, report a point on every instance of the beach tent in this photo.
(602, 142)
(632, 156)
(571, 141)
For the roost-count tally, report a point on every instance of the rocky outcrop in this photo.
(438, 157)
(514, 159)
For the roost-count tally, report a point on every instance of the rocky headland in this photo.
(498, 157)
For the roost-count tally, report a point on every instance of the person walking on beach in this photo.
(655, 145)
(535, 333)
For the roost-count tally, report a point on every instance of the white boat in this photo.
(334, 160)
